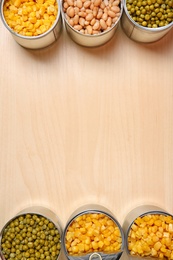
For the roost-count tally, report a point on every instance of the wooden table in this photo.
(86, 125)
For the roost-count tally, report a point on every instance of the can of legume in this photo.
(34, 233)
(147, 23)
(148, 233)
(93, 232)
(33, 24)
(91, 23)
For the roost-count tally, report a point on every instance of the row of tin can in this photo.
(124, 230)
(132, 29)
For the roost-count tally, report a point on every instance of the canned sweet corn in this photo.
(33, 24)
(93, 231)
(150, 233)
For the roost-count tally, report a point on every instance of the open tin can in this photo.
(40, 41)
(93, 232)
(140, 33)
(148, 230)
(34, 233)
(91, 39)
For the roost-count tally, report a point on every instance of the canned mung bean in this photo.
(93, 230)
(150, 233)
(147, 20)
(33, 24)
(34, 233)
(91, 23)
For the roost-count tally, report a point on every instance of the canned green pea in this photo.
(34, 233)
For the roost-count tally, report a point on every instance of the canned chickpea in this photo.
(150, 233)
(91, 23)
(33, 24)
(93, 231)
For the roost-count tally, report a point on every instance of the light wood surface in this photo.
(81, 125)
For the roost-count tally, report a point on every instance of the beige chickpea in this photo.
(105, 16)
(76, 19)
(76, 10)
(87, 4)
(82, 21)
(70, 2)
(103, 24)
(70, 11)
(77, 27)
(89, 29)
(93, 21)
(102, 6)
(96, 25)
(89, 17)
(116, 2)
(65, 5)
(99, 14)
(109, 21)
(111, 14)
(115, 9)
(95, 11)
(71, 22)
(97, 2)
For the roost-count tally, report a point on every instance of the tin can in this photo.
(87, 211)
(27, 232)
(93, 40)
(140, 33)
(133, 215)
(40, 41)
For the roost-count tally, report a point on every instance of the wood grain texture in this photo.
(80, 125)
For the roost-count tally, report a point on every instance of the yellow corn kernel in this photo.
(82, 229)
(158, 222)
(155, 238)
(46, 17)
(157, 246)
(32, 14)
(100, 244)
(94, 245)
(24, 11)
(17, 3)
(170, 227)
(86, 248)
(81, 247)
(161, 256)
(90, 232)
(87, 240)
(163, 249)
(28, 34)
(153, 252)
(75, 249)
(107, 242)
(32, 19)
(24, 18)
(40, 1)
(18, 28)
(29, 9)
